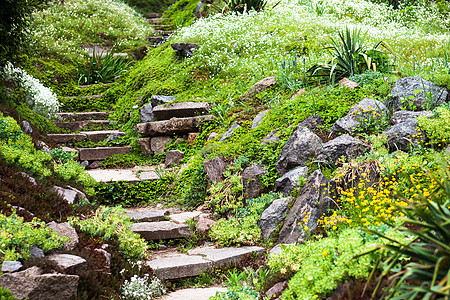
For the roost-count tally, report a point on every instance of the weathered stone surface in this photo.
(215, 168)
(36, 252)
(229, 132)
(192, 137)
(316, 198)
(251, 178)
(146, 113)
(225, 256)
(365, 109)
(184, 49)
(403, 115)
(83, 116)
(146, 215)
(27, 129)
(64, 229)
(299, 148)
(163, 230)
(405, 135)
(198, 9)
(313, 123)
(159, 99)
(9, 266)
(407, 88)
(204, 224)
(144, 143)
(29, 178)
(68, 262)
(179, 266)
(180, 110)
(122, 175)
(67, 194)
(273, 216)
(60, 138)
(348, 83)
(106, 256)
(173, 126)
(297, 93)
(100, 153)
(275, 291)
(212, 136)
(259, 87)
(195, 293)
(259, 118)
(115, 135)
(158, 143)
(173, 157)
(289, 181)
(94, 165)
(80, 125)
(342, 146)
(32, 284)
(182, 218)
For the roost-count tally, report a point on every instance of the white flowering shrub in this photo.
(257, 42)
(62, 29)
(38, 97)
(140, 288)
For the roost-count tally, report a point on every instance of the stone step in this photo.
(163, 230)
(154, 20)
(180, 110)
(146, 215)
(176, 265)
(173, 126)
(156, 39)
(94, 136)
(89, 96)
(80, 125)
(194, 293)
(100, 153)
(84, 116)
(164, 32)
(160, 27)
(154, 15)
(127, 175)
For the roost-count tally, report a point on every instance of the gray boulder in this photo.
(251, 178)
(367, 108)
(273, 216)
(342, 146)
(229, 132)
(184, 49)
(313, 123)
(11, 266)
(144, 144)
(146, 113)
(289, 181)
(68, 263)
(259, 118)
(299, 148)
(33, 284)
(158, 143)
(156, 100)
(418, 93)
(403, 115)
(215, 168)
(67, 194)
(27, 127)
(259, 87)
(405, 135)
(36, 252)
(65, 229)
(173, 157)
(316, 198)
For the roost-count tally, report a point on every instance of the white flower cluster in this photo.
(257, 42)
(38, 97)
(139, 288)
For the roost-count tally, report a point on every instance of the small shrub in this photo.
(142, 288)
(437, 127)
(111, 223)
(6, 294)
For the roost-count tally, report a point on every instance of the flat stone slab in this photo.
(146, 215)
(80, 125)
(180, 110)
(197, 294)
(84, 116)
(224, 256)
(11, 266)
(100, 153)
(181, 218)
(94, 136)
(128, 175)
(179, 266)
(173, 126)
(164, 230)
(68, 262)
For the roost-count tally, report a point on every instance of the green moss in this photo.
(181, 13)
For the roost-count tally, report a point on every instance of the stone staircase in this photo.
(155, 225)
(161, 33)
